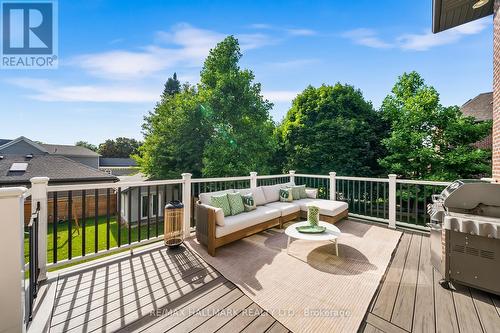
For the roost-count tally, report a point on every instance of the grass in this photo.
(90, 234)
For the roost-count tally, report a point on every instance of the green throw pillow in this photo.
(236, 203)
(221, 201)
(286, 195)
(295, 192)
(248, 202)
(302, 191)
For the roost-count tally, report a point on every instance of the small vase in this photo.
(313, 215)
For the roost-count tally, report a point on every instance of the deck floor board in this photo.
(158, 290)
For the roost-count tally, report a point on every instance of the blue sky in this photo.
(116, 55)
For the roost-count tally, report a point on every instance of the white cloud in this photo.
(260, 26)
(279, 96)
(417, 42)
(294, 63)
(366, 37)
(183, 46)
(427, 40)
(301, 32)
(45, 90)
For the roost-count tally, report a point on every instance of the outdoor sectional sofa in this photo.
(214, 230)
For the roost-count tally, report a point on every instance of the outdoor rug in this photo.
(310, 290)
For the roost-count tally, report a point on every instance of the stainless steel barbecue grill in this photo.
(465, 234)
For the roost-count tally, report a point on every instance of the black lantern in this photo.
(173, 231)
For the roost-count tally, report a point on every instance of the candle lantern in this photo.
(173, 231)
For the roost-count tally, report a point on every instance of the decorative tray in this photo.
(309, 229)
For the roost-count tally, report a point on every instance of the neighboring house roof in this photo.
(448, 14)
(4, 141)
(116, 162)
(9, 143)
(480, 107)
(67, 150)
(59, 169)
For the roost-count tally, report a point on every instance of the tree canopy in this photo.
(428, 140)
(332, 128)
(175, 134)
(119, 147)
(87, 145)
(241, 138)
(172, 87)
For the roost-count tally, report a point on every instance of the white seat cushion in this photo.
(328, 207)
(302, 203)
(244, 220)
(205, 197)
(286, 208)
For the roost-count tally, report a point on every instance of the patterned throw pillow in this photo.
(286, 195)
(302, 191)
(236, 203)
(248, 202)
(221, 201)
(295, 192)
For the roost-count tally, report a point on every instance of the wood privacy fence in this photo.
(62, 207)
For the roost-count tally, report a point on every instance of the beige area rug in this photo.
(310, 290)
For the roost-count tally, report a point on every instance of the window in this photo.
(152, 203)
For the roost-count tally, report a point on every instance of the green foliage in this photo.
(172, 87)
(87, 145)
(427, 140)
(120, 147)
(241, 138)
(175, 134)
(332, 128)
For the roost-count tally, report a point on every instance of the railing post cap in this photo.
(291, 172)
(392, 175)
(39, 180)
(253, 173)
(186, 175)
(332, 173)
(12, 191)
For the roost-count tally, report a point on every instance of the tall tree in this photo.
(87, 145)
(428, 140)
(332, 128)
(120, 147)
(172, 87)
(175, 134)
(241, 138)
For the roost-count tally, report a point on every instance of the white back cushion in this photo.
(205, 197)
(258, 196)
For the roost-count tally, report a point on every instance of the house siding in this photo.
(90, 161)
(21, 148)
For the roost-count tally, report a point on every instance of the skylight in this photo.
(18, 167)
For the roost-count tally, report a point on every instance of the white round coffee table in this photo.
(330, 234)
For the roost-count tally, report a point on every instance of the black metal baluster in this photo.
(54, 227)
(400, 202)
(119, 214)
(416, 203)
(385, 199)
(139, 213)
(108, 204)
(425, 204)
(371, 198)
(408, 196)
(158, 210)
(129, 214)
(84, 222)
(96, 220)
(70, 216)
(149, 209)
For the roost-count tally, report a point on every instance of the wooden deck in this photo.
(410, 299)
(155, 291)
(176, 291)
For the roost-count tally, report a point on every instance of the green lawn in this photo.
(77, 237)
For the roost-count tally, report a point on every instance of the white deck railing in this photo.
(128, 214)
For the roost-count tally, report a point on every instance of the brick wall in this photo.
(496, 93)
